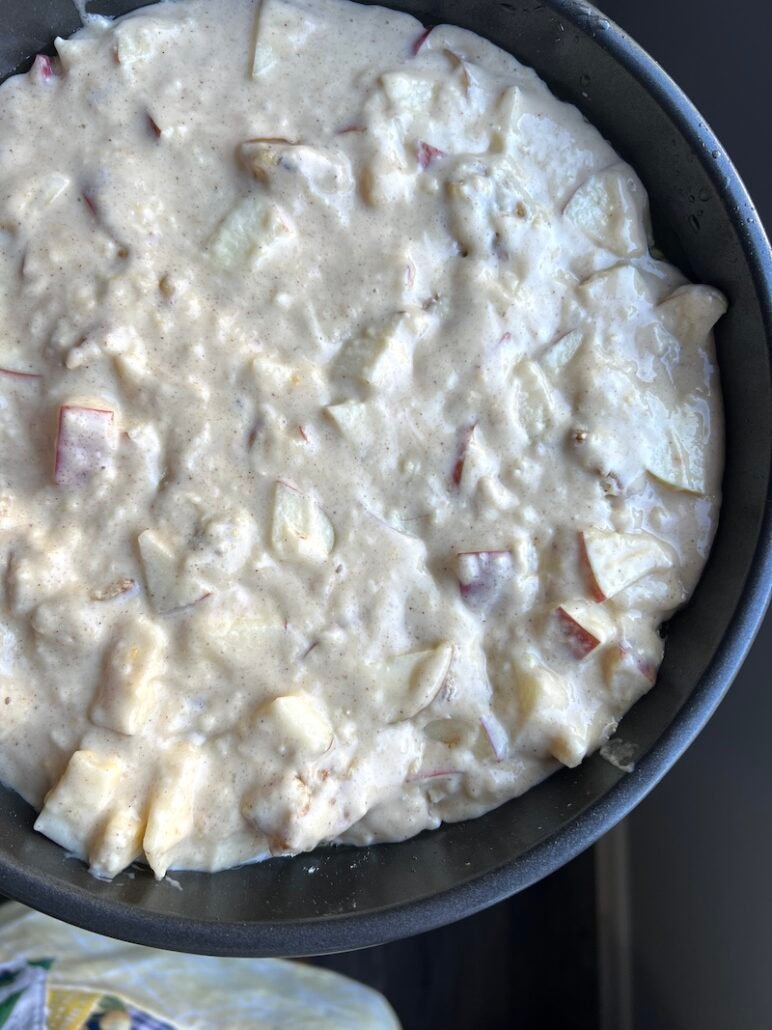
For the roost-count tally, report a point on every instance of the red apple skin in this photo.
(595, 591)
(420, 40)
(90, 203)
(19, 375)
(464, 438)
(579, 639)
(426, 154)
(43, 68)
(646, 666)
(491, 575)
(498, 743)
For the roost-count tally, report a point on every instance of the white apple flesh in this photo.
(615, 560)
(85, 444)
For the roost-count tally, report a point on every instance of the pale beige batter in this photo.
(353, 444)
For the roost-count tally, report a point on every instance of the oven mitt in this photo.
(56, 977)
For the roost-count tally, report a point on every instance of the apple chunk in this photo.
(628, 675)
(280, 32)
(296, 724)
(407, 683)
(482, 575)
(584, 625)
(609, 208)
(690, 312)
(74, 807)
(679, 460)
(560, 353)
(127, 692)
(85, 444)
(300, 530)
(248, 232)
(426, 154)
(616, 560)
(169, 586)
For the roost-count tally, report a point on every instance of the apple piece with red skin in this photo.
(497, 736)
(85, 444)
(628, 674)
(612, 561)
(426, 154)
(482, 574)
(420, 40)
(464, 439)
(44, 69)
(584, 626)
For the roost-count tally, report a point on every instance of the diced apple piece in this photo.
(286, 814)
(354, 420)
(627, 675)
(544, 700)
(426, 154)
(297, 725)
(538, 687)
(323, 170)
(282, 29)
(172, 805)
(618, 559)
(126, 695)
(237, 629)
(249, 232)
(537, 404)
(420, 40)
(85, 444)
(465, 435)
(509, 107)
(75, 806)
(496, 734)
(679, 461)
(584, 625)
(43, 69)
(383, 357)
(691, 312)
(300, 530)
(609, 208)
(168, 585)
(482, 575)
(138, 39)
(562, 351)
(117, 844)
(615, 291)
(410, 682)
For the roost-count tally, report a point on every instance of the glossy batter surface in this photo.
(353, 442)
